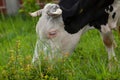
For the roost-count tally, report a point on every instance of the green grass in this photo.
(14, 29)
(17, 40)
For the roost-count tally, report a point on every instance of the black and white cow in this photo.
(61, 26)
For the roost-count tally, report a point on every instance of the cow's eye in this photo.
(52, 34)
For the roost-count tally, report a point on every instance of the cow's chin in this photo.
(54, 15)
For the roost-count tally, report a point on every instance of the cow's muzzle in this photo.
(55, 12)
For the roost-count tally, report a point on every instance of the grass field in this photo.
(17, 41)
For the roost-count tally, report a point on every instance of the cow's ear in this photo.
(36, 13)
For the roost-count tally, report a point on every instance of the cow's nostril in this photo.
(56, 7)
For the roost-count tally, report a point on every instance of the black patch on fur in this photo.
(103, 20)
(111, 8)
(114, 14)
(93, 13)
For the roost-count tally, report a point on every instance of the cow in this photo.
(60, 26)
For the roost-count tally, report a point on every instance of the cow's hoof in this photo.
(113, 65)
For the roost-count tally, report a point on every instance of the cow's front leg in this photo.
(35, 56)
(108, 40)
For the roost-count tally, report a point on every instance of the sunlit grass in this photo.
(17, 42)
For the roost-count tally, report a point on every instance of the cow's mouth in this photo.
(56, 11)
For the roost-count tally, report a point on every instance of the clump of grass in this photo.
(20, 68)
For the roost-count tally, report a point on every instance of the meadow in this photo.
(89, 61)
